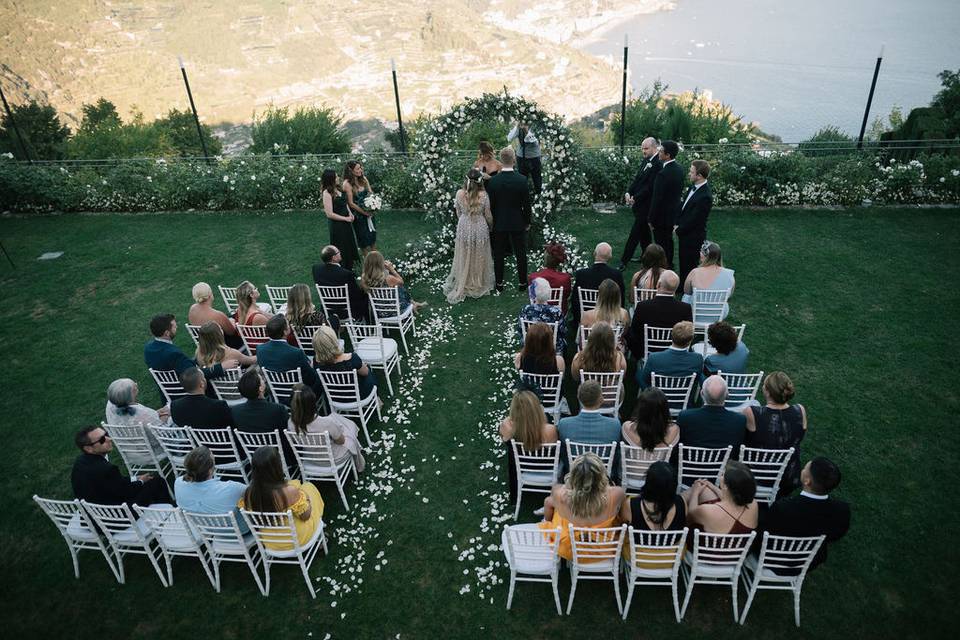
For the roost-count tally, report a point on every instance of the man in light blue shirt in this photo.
(200, 492)
(589, 426)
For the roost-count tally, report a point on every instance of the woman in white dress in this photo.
(472, 271)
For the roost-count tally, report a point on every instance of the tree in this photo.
(101, 114)
(828, 141)
(178, 131)
(307, 130)
(947, 101)
(43, 134)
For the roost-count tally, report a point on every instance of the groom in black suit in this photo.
(510, 205)
(665, 202)
(692, 224)
(638, 197)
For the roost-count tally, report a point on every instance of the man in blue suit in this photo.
(278, 355)
(712, 425)
(589, 426)
(677, 360)
(161, 354)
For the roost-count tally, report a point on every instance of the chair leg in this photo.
(616, 588)
(169, 562)
(691, 579)
(674, 586)
(751, 592)
(306, 577)
(106, 556)
(796, 607)
(556, 590)
(516, 513)
(386, 374)
(75, 556)
(735, 588)
(343, 496)
(403, 339)
(573, 589)
(630, 588)
(216, 573)
(363, 423)
(513, 583)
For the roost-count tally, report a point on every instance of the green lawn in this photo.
(856, 305)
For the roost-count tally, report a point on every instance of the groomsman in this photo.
(638, 196)
(665, 202)
(691, 226)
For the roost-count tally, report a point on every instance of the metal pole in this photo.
(623, 96)
(866, 112)
(193, 107)
(16, 131)
(7, 255)
(396, 97)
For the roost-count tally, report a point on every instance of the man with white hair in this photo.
(638, 197)
(591, 277)
(712, 425)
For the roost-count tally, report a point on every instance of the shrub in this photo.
(40, 128)
(829, 140)
(307, 130)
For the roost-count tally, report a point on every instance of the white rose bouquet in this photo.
(373, 202)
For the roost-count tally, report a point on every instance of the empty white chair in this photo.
(653, 559)
(226, 386)
(343, 390)
(253, 336)
(221, 534)
(335, 301)
(194, 331)
(304, 336)
(536, 469)
(281, 383)
(611, 385)
(176, 442)
(709, 306)
(525, 325)
(678, 389)
(125, 535)
(741, 387)
(555, 299)
(656, 339)
(550, 384)
(135, 449)
(704, 347)
(278, 296)
(376, 351)
(767, 466)
(583, 334)
(229, 295)
(700, 462)
(782, 566)
(587, 299)
(276, 528)
(175, 537)
(385, 302)
(532, 557)
(596, 556)
(606, 452)
(634, 462)
(223, 446)
(315, 459)
(169, 384)
(250, 441)
(77, 530)
(717, 559)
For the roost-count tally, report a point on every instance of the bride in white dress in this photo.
(472, 271)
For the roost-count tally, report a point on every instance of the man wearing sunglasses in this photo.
(96, 480)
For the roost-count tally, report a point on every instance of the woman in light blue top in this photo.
(711, 274)
(731, 355)
(198, 491)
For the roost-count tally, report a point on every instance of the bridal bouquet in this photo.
(373, 202)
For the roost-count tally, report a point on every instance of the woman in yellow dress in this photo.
(585, 499)
(270, 491)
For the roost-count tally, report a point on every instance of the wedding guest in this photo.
(256, 413)
(94, 479)
(248, 310)
(212, 349)
(599, 355)
(731, 355)
(638, 196)
(592, 276)
(378, 272)
(653, 263)
(691, 224)
(339, 218)
(663, 310)
(330, 273)
(277, 355)
(729, 508)
(651, 426)
(538, 354)
(675, 360)
(202, 312)
(161, 354)
(198, 490)
(197, 410)
(778, 425)
(665, 200)
(123, 408)
(554, 255)
(712, 426)
(589, 426)
(486, 161)
(301, 313)
(658, 507)
(527, 424)
(539, 311)
(343, 432)
(329, 356)
(711, 274)
(608, 307)
(356, 188)
(528, 153)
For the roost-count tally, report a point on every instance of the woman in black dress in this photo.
(658, 507)
(538, 355)
(778, 425)
(339, 218)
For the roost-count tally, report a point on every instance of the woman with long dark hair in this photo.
(653, 262)
(538, 354)
(651, 426)
(339, 218)
(356, 188)
(342, 431)
(658, 507)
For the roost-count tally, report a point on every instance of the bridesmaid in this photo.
(356, 188)
(339, 218)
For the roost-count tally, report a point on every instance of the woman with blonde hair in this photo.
(711, 274)
(608, 307)
(342, 431)
(600, 354)
(472, 271)
(378, 272)
(301, 313)
(585, 499)
(329, 356)
(527, 424)
(212, 349)
(487, 161)
(248, 311)
(202, 311)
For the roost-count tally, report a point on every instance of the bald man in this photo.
(638, 197)
(591, 277)
(662, 310)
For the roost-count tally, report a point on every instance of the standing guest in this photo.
(608, 307)
(277, 355)
(676, 360)
(665, 200)
(663, 310)
(527, 424)
(94, 479)
(161, 354)
(212, 350)
(330, 273)
(691, 225)
(731, 355)
(711, 274)
(248, 310)
(652, 426)
(528, 153)
(731, 508)
(592, 276)
(658, 507)
(339, 219)
(343, 433)
(638, 196)
(378, 272)
(199, 491)
(301, 313)
(539, 354)
(512, 212)
(554, 254)
(778, 425)
(486, 161)
(589, 426)
(599, 355)
(123, 408)
(539, 311)
(202, 312)
(356, 188)
(653, 263)
(329, 356)
(197, 410)
(713, 426)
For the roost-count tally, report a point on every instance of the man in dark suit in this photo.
(592, 276)
(512, 212)
(813, 512)
(94, 479)
(161, 354)
(329, 273)
(197, 410)
(713, 426)
(256, 413)
(692, 223)
(278, 355)
(638, 197)
(677, 360)
(663, 310)
(665, 201)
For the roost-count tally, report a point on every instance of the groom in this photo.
(510, 205)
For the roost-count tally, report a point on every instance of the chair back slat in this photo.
(635, 461)
(556, 297)
(606, 452)
(272, 529)
(304, 336)
(341, 387)
(335, 301)
(721, 550)
(134, 447)
(611, 387)
(701, 462)
(590, 545)
(526, 324)
(583, 334)
(741, 387)
(385, 302)
(788, 555)
(656, 550)
(526, 546)
(587, 298)
(223, 447)
(229, 295)
(708, 305)
(656, 338)
(226, 385)
(176, 443)
(69, 517)
(550, 384)
(194, 331)
(641, 294)
(314, 454)
(678, 389)
(768, 467)
(253, 336)
(170, 528)
(281, 383)
(250, 441)
(169, 383)
(278, 296)
(536, 461)
(219, 531)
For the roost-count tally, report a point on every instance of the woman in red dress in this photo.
(555, 255)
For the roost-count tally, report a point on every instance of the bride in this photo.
(472, 271)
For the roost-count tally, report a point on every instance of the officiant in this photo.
(528, 153)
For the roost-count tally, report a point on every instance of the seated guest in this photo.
(329, 273)
(539, 311)
(161, 354)
(248, 310)
(538, 354)
(658, 507)
(342, 431)
(199, 491)
(328, 355)
(378, 273)
(600, 353)
(554, 255)
(713, 426)
(663, 310)
(256, 413)
(528, 425)
(731, 355)
(592, 276)
(585, 499)
(202, 312)
(813, 512)
(277, 355)
(270, 491)
(711, 274)
(731, 508)
(778, 425)
(302, 313)
(589, 426)
(652, 426)
(212, 350)
(123, 408)
(653, 263)
(94, 479)
(676, 360)
(197, 410)
(608, 307)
